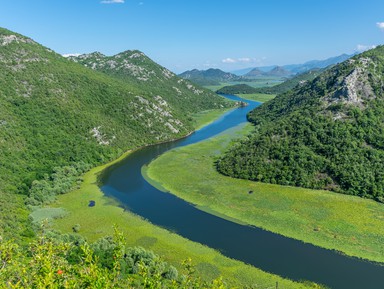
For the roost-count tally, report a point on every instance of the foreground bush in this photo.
(70, 262)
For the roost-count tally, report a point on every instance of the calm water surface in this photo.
(268, 251)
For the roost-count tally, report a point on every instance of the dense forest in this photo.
(59, 118)
(324, 134)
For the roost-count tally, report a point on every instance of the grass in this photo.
(348, 224)
(260, 97)
(98, 221)
(49, 214)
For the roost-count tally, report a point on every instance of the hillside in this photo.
(237, 89)
(255, 72)
(209, 77)
(325, 134)
(136, 69)
(58, 118)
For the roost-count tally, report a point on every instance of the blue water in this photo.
(268, 251)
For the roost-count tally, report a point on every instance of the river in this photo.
(268, 251)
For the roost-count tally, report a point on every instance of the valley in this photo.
(253, 168)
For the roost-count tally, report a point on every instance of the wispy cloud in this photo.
(229, 60)
(240, 60)
(112, 1)
(362, 47)
(71, 54)
(380, 25)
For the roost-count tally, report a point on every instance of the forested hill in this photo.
(136, 69)
(210, 76)
(58, 118)
(326, 134)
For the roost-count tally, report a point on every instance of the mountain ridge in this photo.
(300, 68)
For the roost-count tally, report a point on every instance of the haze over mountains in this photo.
(216, 76)
(290, 83)
(299, 68)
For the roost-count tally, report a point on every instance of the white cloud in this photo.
(71, 54)
(245, 59)
(112, 1)
(380, 25)
(362, 48)
(242, 60)
(229, 60)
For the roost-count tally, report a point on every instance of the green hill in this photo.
(58, 118)
(237, 89)
(327, 133)
(210, 76)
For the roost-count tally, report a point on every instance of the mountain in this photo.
(279, 71)
(325, 134)
(290, 83)
(58, 118)
(209, 77)
(255, 72)
(299, 68)
(242, 72)
(135, 68)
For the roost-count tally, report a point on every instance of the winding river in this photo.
(268, 251)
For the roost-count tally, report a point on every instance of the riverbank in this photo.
(97, 221)
(348, 224)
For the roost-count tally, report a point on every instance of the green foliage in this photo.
(326, 134)
(48, 263)
(56, 114)
(61, 181)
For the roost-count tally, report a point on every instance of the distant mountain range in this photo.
(277, 71)
(299, 68)
(216, 76)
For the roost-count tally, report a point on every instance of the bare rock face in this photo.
(353, 89)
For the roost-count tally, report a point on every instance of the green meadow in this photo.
(98, 221)
(348, 224)
(260, 97)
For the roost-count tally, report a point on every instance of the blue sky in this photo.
(184, 34)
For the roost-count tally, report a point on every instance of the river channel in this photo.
(268, 251)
